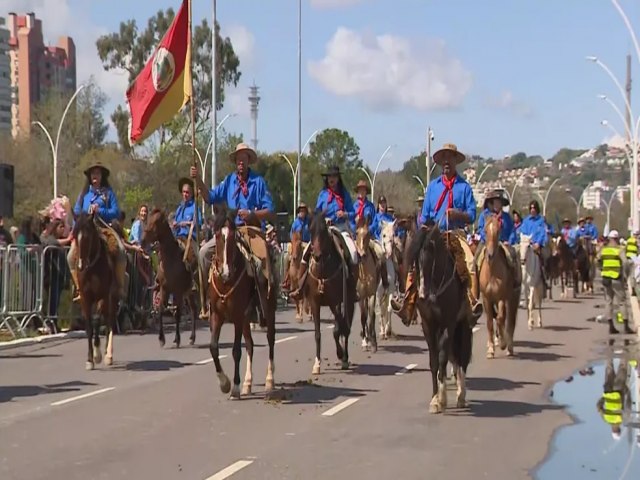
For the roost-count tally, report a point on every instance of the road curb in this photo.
(24, 342)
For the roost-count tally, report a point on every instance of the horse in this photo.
(330, 283)
(497, 284)
(387, 236)
(551, 265)
(399, 247)
(531, 280)
(585, 264)
(568, 271)
(234, 298)
(97, 286)
(174, 277)
(294, 274)
(367, 285)
(445, 320)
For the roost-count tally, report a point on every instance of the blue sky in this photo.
(493, 76)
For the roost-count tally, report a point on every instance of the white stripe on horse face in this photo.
(225, 266)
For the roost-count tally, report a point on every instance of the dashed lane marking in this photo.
(286, 339)
(341, 406)
(230, 470)
(407, 369)
(209, 360)
(80, 397)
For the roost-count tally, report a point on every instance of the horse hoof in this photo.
(192, 341)
(461, 403)
(490, 355)
(316, 370)
(88, 366)
(161, 342)
(344, 365)
(235, 393)
(246, 389)
(374, 347)
(176, 343)
(97, 358)
(434, 407)
(510, 352)
(108, 361)
(530, 325)
(225, 384)
(268, 385)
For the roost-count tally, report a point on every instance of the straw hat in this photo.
(496, 194)
(332, 170)
(438, 157)
(105, 171)
(363, 184)
(243, 147)
(301, 206)
(185, 181)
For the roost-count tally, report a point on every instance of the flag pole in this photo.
(195, 164)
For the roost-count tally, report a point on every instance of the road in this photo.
(158, 413)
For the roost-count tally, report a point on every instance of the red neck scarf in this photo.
(448, 188)
(339, 199)
(242, 186)
(360, 211)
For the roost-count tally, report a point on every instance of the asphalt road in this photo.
(158, 413)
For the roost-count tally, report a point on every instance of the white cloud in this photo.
(507, 101)
(327, 4)
(243, 43)
(387, 71)
(58, 19)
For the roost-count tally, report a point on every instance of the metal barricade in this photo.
(21, 288)
(58, 310)
(141, 274)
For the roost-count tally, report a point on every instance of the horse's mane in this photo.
(221, 216)
(413, 250)
(81, 223)
(318, 225)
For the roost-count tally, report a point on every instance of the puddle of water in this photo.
(588, 449)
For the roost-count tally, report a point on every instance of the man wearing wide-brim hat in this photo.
(245, 191)
(185, 214)
(569, 234)
(449, 202)
(300, 226)
(590, 228)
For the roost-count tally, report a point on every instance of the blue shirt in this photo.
(536, 228)
(330, 208)
(507, 232)
(228, 191)
(135, 235)
(462, 200)
(185, 213)
(302, 226)
(369, 212)
(591, 230)
(571, 236)
(108, 209)
(382, 217)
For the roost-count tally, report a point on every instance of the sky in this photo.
(494, 77)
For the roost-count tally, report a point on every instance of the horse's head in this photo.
(525, 243)
(296, 245)
(224, 234)
(363, 236)
(492, 227)
(156, 228)
(319, 235)
(387, 236)
(87, 239)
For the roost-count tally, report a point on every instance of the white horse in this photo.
(383, 305)
(532, 284)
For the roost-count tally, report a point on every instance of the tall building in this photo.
(36, 68)
(254, 100)
(5, 80)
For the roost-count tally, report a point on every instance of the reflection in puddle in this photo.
(597, 446)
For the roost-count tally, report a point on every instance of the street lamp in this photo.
(513, 191)
(294, 172)
(367, 174)
(482, 173)
(375, 172)
(54, 147)
(419, 180)
(546, 196)
(210, 145)
(608, 204)
(430, 138)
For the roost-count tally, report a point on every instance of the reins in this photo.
(224, 296)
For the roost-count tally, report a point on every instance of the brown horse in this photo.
(568, 269)
(173, 277)
(234, 298)
(586, 264)
(302, 306)
(497, 282)
(330, 283)
(367, 285)
(97, 286)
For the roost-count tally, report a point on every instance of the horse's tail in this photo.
(462, 345)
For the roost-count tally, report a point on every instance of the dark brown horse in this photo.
(173, 277)
(568, 268)
(98, 287)
(330, 283)
(234, 299)
(293, 274)
(445, 320)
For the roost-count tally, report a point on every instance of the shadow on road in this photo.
(374, 370)
(406, 349)
(540, 356)
(491, 384)
(307, 392)
(534, 344)
(505, 409)
(152, 366)
(417, 338)
(229, 345)
(9, 393)
(32, 355)
(567, 301)
(563, 328)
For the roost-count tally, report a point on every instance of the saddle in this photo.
(453, 241)
(110, 238)
(192, 259)
(340, 244)
(257, 252)
(512, 262)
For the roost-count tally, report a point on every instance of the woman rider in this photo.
(97, 198)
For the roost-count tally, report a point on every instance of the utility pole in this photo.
(628, 90)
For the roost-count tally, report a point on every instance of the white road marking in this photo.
(209, 360)
(286, 339)
(341, 406)
(475, 329)
(230, 470)
(406, 369)
(330, 327)
(80, 397)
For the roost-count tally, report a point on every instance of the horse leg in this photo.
(432, 344)
(364, 313)
(576, 283)
(501, 321)
(191, 299)
(299, 311)
(315, 312)
(110, 318)
(215, 323)
(443, 358)
(346, 321)
(160, 301)
(337, 330)
(271, 340)
(530, 306)
(539, 306)
(248, 342)
(373, 341)
(97, 354)
(88, 321)
(236, 352)
(179, 299)
(488, 310)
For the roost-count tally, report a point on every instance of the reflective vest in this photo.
(612, 408)
(611, 262)
(632, 247)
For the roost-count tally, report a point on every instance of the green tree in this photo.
(335, 147)
(130, 48)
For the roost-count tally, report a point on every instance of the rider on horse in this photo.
(494, 201)
(590, 228)
(244, 191)
(448, 201)
(383, 215)
(301, 226)
(535, 226)
(335, 202)
(97, 198)
(183, 220)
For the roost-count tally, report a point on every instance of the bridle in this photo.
(230, 241)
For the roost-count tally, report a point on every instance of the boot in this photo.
(627, 329)
(406, 308)
(612, 329)
(296, 295)
(76, 289)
